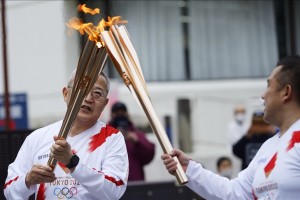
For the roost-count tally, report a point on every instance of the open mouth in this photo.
(86, 107)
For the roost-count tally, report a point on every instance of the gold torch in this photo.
(91, 62)
(125, 59)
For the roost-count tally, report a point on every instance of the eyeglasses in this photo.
(96, 93)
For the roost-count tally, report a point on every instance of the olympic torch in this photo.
(91, 62)
(90, 65)
(125, 59)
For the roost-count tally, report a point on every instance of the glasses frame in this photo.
(94, 94)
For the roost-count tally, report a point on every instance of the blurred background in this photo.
(200, 59)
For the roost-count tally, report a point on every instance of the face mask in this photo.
(227, 173)
(240, 117)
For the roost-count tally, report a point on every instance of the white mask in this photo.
(240, 117)
(227, 173)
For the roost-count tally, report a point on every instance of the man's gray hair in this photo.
(72, 77)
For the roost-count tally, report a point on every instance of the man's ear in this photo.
(65, 92)
(106, 102)
(107, 99)
(287, 92)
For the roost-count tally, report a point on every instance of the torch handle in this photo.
(52, 162)
(68, 120)
(180, 174)
(143, 99)
(86, 75)
(137, 86)
(164, 141)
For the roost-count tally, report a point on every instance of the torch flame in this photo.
(88, 28)
(117, 20)
(83, 8)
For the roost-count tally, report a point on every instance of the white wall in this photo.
(40, 55)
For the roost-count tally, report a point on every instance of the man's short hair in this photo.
(72, 77)
(290, 74)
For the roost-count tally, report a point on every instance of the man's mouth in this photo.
(86, 107)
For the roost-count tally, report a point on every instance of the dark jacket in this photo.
(139, 153)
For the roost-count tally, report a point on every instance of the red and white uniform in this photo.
(102, 171)
(274, 173)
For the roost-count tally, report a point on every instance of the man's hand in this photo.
(171, 164)
(39, 174)
(61, 150)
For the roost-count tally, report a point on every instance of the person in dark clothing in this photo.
(140, 150)
(249, 144)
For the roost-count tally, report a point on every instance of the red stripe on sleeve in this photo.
(10, 181)
(118, 183)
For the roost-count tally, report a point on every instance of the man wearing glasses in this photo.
(92, 161)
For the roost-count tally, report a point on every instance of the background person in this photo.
(238, 126)
(140, 150)
(249, 144)
(224, 167)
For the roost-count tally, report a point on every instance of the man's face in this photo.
(94, 103)
(225, 169)
(240, 116)
(271, 97)
(226, 164)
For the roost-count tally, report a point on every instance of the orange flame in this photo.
(117, 20)
(88, 28)
(83, 8)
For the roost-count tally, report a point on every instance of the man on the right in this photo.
(274, 172)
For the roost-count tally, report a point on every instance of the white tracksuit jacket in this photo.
(101, 173)
(274, 173)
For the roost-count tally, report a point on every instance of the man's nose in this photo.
(89, 97)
